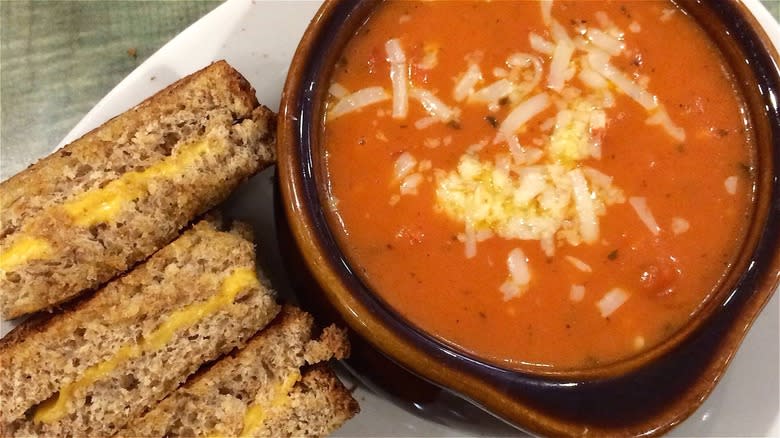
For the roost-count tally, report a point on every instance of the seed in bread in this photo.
(91, 369)
(91, 210)
(256, 388)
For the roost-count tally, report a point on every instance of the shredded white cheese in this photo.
(433, 105)
(410, 183)
(540, 44)
(492, 93)
(337, 90)
(577, 293)
(612, 301)
(645, 215)
(592, 79)
(430, 58)
(527, 70)
(586, 211)
(605, 42)
(358, 100)
(661, 117)
(500, 72)
(426, 122)
(518, 267)
(680, 225)
(599, 62)
(560, 65)
(579, 264)
(404, 165)
(465, 86)
(431, 143)
(524, 112)
(399, 77)
(559, 33)
(533, 204)
(519, 274)
(731, 185)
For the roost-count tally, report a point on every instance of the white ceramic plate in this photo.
(259, 38)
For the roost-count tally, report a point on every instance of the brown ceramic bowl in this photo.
(644, 394)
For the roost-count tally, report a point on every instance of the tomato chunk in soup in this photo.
(558, 184)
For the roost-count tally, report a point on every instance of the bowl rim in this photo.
(399, 347)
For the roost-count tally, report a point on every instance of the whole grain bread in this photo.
(39, 360)
(215, 401)
(317, 406)
(215, 105)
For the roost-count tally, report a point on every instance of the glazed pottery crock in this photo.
(645, 394)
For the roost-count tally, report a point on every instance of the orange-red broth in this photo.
(409, 253)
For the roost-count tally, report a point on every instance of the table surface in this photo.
(58, 58)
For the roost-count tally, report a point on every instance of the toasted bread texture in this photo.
(91, 369)
(317, 406)
(255, 388)
(96, 207)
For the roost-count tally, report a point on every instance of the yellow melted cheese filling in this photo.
(103, 204)
(240, 279)
(23, 249)
(256, 413)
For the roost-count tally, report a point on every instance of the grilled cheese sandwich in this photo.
(240, 279)
(268, 388)
(90, 370)
(107, 201)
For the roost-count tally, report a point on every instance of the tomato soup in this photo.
(556, 184)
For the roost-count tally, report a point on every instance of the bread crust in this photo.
(317, 406)
(216, 105)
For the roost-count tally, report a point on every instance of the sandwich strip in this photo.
(255, 390)
(104, 204)
(91, 369)
(256, 413)
(238, 280)
(318, 405)
(107, 201)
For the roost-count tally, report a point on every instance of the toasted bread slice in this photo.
(91, 369)
(107, 201)
(317, 406)
(256, 388)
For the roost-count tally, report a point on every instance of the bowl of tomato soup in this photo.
(536, 193)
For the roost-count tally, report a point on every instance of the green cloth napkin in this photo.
(49, 51)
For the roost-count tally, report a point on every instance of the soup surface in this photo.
(557, 184)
